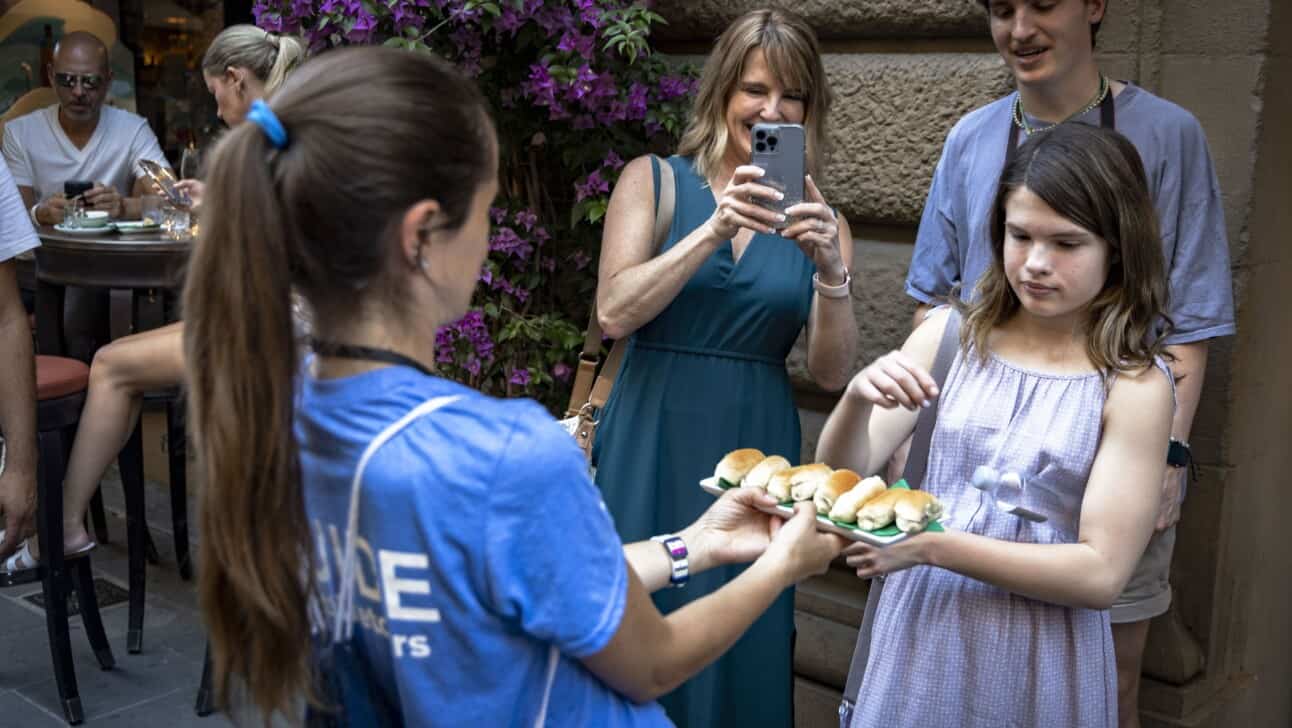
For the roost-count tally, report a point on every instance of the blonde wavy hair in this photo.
(794, 57)
(1093, 177)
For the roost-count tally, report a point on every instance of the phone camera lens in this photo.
(760, 134)
(771, 141)
(760, 147)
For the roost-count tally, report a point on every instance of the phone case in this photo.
(779, 149)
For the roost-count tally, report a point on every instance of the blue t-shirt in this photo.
(953, 244)
(482, 543)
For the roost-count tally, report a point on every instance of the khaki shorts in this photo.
(1148, 593)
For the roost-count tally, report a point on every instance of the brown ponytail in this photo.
(371, 132)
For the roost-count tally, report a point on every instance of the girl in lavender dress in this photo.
(1001, 621)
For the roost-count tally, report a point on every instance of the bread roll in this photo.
(915, 508)
(877, 512)
(846, 507)
(838, 483)
(763, 472)
(733, 467)
(780, 484)
(806, 479)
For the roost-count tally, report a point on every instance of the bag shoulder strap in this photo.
(917, 462)
(342, 624)
(589, 388)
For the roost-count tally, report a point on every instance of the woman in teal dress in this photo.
(712, 316)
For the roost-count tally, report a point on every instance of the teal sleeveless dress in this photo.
(703, 378)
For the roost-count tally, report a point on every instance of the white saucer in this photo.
(87, 232)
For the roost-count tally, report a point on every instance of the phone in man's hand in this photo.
(76, 188)
(779, 149)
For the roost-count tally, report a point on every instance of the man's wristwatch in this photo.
(677, 553)
(1178, 454)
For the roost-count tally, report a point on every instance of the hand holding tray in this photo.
(880, 537)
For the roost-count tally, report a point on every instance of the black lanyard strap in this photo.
(366, 353)
(1107, 119)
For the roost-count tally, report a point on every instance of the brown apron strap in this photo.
(588, 387)
(916, 464)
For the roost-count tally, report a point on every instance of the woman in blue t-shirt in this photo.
(478, 577)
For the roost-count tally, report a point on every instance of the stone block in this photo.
(1120, 30)
(815, 705)
(890, 120)
(1215, 29)
(823, 649)
(1222, 93)
(706, 19)
(837, 595)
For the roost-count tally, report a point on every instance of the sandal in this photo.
(22, 560)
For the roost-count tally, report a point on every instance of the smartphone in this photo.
(76, 188)
(779, 149)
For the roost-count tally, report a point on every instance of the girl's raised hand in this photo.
(894, 379)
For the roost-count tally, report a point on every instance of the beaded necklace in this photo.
(1021, 120)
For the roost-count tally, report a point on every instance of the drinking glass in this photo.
(190, 162)
(175, 222)
(74, 212)
(150, 209)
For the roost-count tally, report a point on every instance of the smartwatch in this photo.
(1178, 454)
(677, 554)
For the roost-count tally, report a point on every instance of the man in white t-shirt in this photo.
(18, 383)
(80, 139)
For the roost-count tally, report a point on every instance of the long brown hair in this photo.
(1093, 177)
(794, 57)
(371, 131)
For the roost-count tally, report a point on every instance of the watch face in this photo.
(1177, 454)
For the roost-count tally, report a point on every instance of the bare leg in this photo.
(122, 371)
(1128, 644)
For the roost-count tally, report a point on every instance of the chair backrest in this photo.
(37, 98)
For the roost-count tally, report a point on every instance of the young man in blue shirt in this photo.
(1049, 47)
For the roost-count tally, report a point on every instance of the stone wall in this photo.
(904, 71)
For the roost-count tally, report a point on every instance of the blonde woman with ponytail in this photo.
(244, 63)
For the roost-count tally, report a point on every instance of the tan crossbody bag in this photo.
(592, 388)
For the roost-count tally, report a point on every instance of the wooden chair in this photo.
(60, 394)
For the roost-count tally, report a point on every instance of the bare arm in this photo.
(880, 406)
(921, 310)
(1117, 512)
(633, 284)
(651, 654)
(832, 324)
(17, 413)
(1189, 368)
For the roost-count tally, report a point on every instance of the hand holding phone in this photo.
(76, 188)
(741, 205)
(780, 151)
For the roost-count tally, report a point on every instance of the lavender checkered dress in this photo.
(948, 650)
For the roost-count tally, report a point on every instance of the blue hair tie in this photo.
(262, 116)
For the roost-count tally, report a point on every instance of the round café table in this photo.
(151, 267)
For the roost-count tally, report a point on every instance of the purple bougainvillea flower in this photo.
(612, 160)
(561, 371)
(519, 377)
(526, 218)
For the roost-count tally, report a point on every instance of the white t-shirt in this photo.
(41, 156)
(16, 233)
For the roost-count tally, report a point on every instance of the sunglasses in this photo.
(88, 81)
